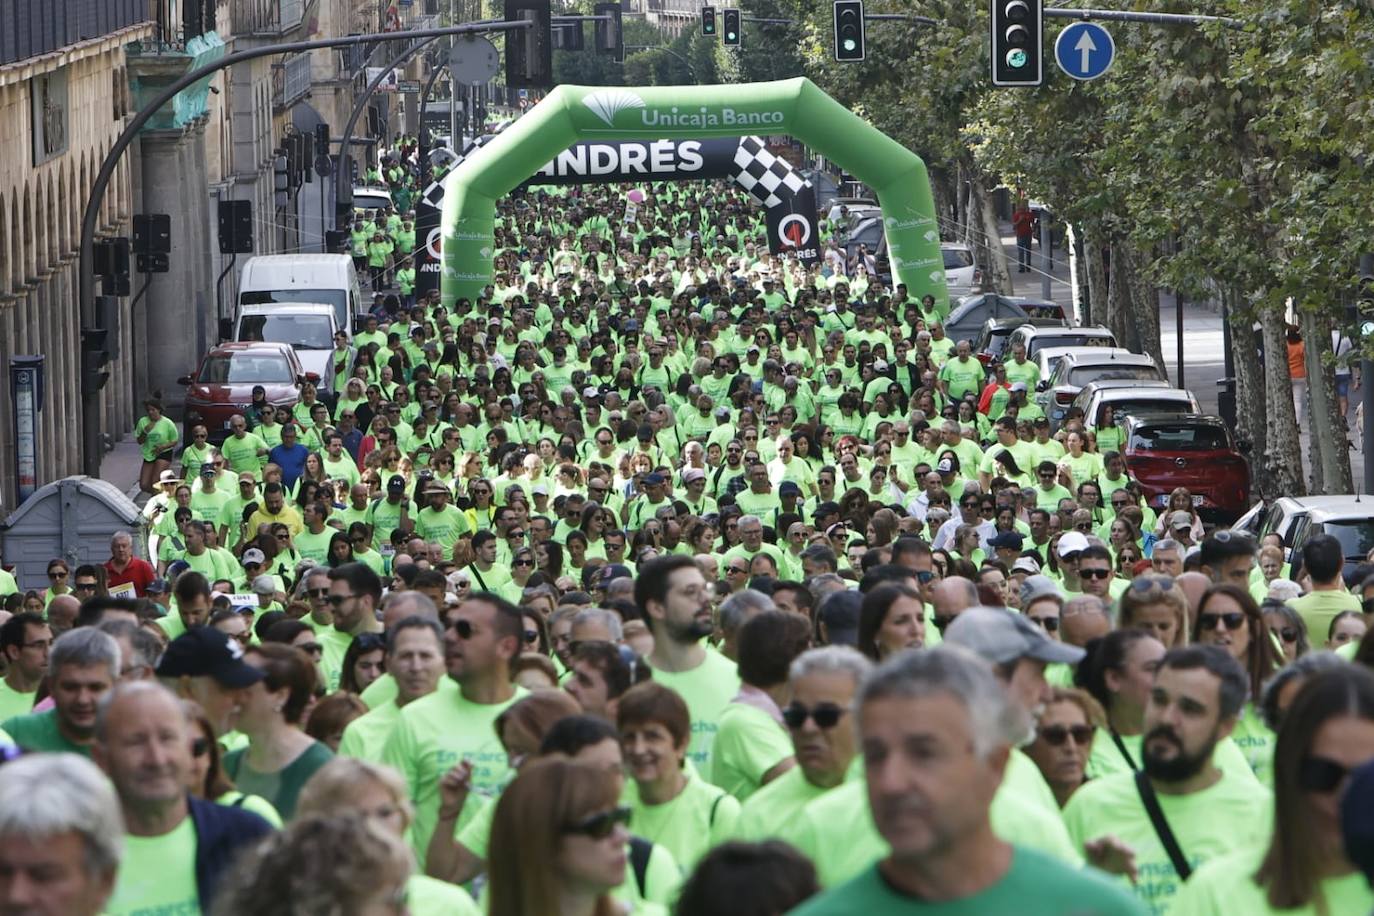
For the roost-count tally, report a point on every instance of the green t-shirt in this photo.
(344, 468)
(242, 453)
(315, 546)
(1027, 372)
(1106, 757)
(1227, 885)
(1019, 816)
(769, 810)
(158, 874)
(1034, 885)
(748, 744)
(426, 896)
(283, 787)
(13, 703)
(1230, 815)
(1318, 609)
(434, 734)
(38, 732)
(964, 377)
(157, 436)
(700, 817)
(444, 528)
(706, 689)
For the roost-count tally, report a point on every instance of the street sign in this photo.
(1084, 50)
(412, 87)
(473, 60)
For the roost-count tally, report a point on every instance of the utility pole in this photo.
(1366, 370)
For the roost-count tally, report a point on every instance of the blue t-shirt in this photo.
(291, 461)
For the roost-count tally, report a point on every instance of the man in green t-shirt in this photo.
(677, 606)
(962, 375)
(937, 731)
(1197, 697)
(244, 451)
(1323, 559)
(144, 746)
(450, 731)
(823, 683)
(25, 642)
(83, 664)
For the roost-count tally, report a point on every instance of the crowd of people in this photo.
(675, 576)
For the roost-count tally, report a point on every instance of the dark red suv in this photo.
(223, 385)
(1193, 451)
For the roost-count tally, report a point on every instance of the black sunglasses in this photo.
(531, 637)
(825, 715)
(1232, 619)
(1094, 574)
(1051, 624)
(463, 628)
(602, 824)
(1056, 735)
(1319, 774)
(337, 600)
(1287, 634)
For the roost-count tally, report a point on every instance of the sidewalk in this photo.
(121, 467)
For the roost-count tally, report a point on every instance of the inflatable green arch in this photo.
(797, 107)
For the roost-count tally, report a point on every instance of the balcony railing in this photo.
(291, 80)
(29, 28)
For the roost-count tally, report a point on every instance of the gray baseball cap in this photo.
(1036, 587)
(1002, 636)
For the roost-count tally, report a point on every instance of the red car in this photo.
(1193, 451)
(223, 385)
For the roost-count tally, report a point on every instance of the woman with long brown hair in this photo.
(558, 843)
(1328, 731)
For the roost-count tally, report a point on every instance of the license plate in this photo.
(1197, 500)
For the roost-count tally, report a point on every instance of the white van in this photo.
(307, 327)
(328, 278)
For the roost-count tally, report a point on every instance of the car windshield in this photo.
(304, 332)
(1180, 437)
(338, 298)
(1156, 405)
(957, 258)
(370, 202)
(1355, 534)
(1082, 375)
(1040, 341)
(246, 369)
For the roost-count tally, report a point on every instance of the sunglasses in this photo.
(84, 587)
(523, 562)
(1319, 774)
(1051, 624)
(1233, 620)
(1085, 527)
(200, 747)
(515, 534)
(1056, 735)
(336, 601)
(464, 629)
(531, 637)
(321, 593)
(1287, 634)
(58, 574)
(601, 825)
(1094, 573)
(825, 715)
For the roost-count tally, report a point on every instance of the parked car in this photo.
(1194, 451)
(962, 274)
(223, 384)
(1349, 517)
(1036, 338)
(307, 326)
(1132, 397)
(1080, 366)
(992, 340)
(367, 198)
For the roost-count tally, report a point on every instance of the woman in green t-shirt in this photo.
(157, 438)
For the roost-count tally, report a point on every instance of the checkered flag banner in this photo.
(762, 174)
(434, 194)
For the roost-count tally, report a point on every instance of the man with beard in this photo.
(676, 600)
(1198, 693)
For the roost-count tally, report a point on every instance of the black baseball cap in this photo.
(206, 652)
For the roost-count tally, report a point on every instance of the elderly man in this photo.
(61, 837)
(124, 569)
(823, 683)
(180, 847)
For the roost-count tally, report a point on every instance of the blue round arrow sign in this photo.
(1084, 50)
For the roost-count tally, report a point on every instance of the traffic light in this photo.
(281, 175)
(610, 33)
(849, 30)
(730, 25)
(708, 21)
(529, 51)
(1018, 38)
(94, 375)
(567, 36)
